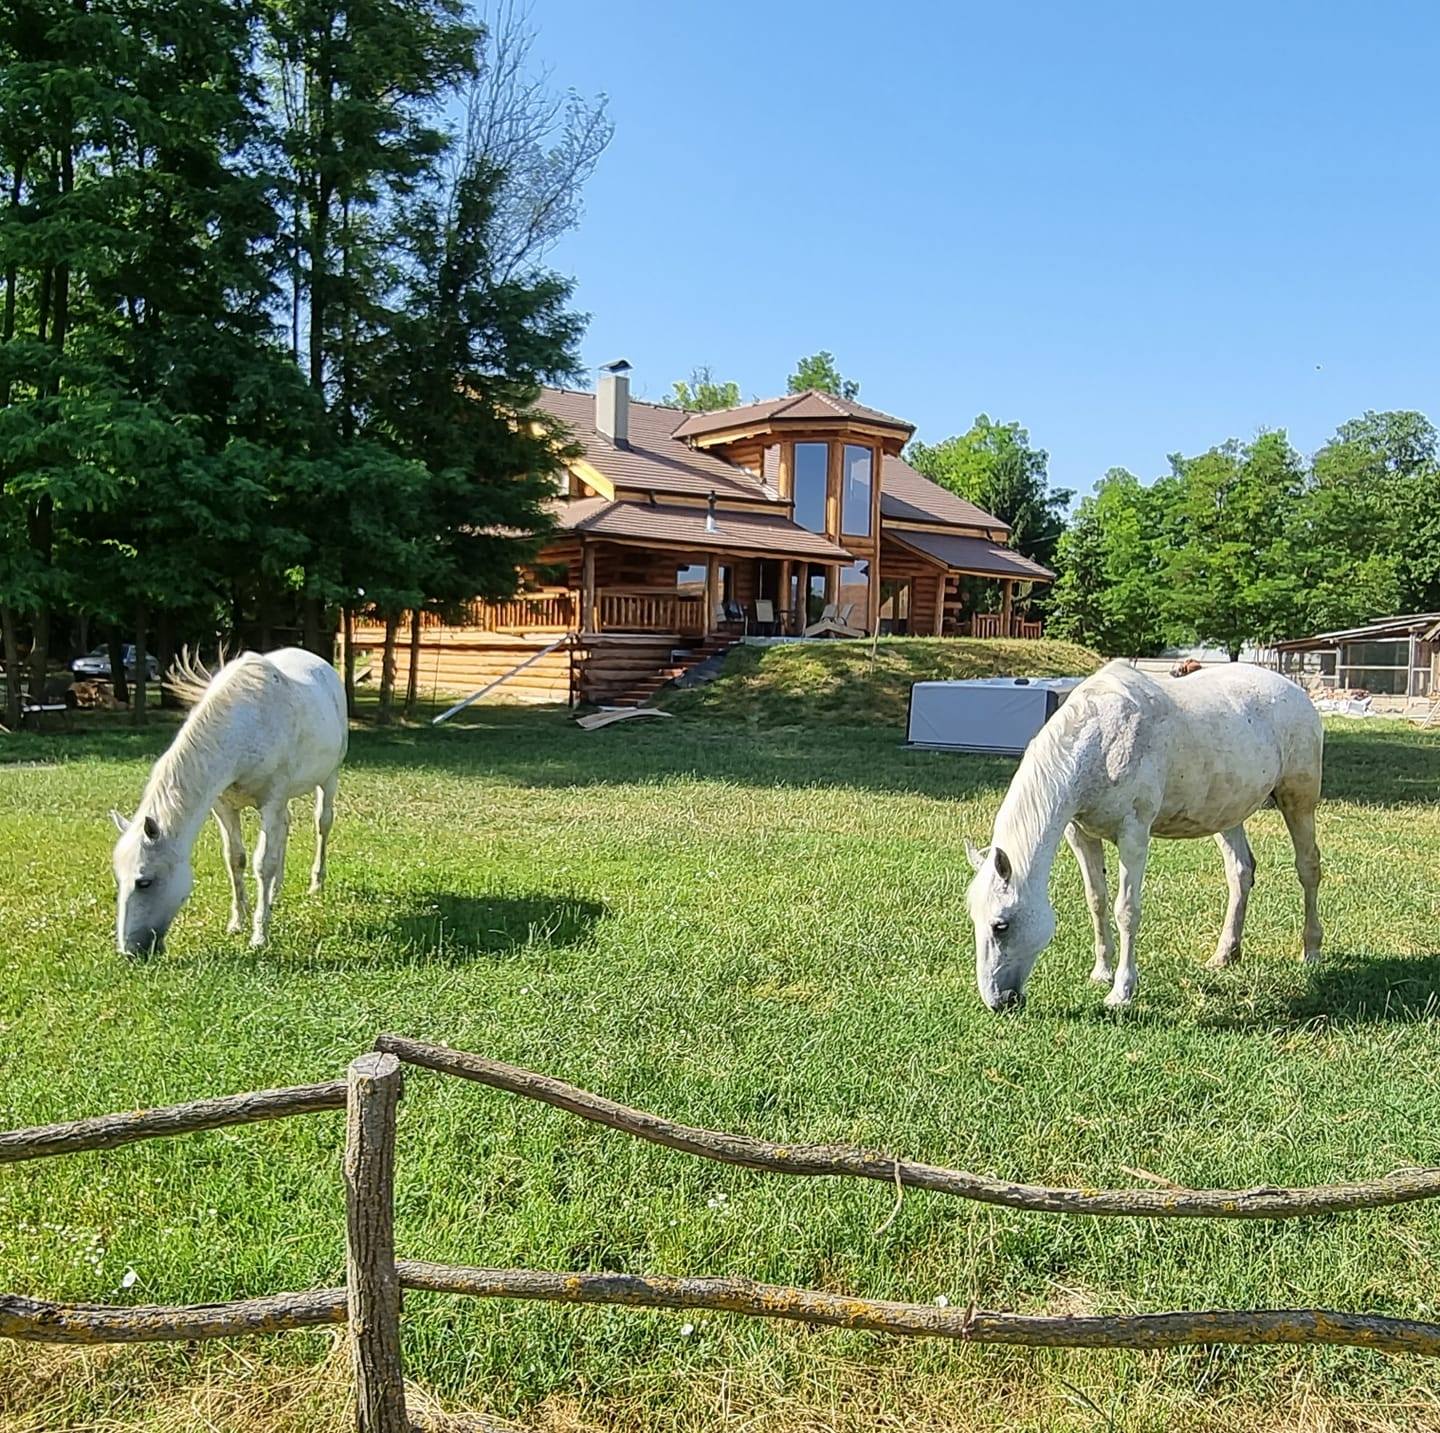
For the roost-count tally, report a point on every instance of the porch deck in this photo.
(659, 612)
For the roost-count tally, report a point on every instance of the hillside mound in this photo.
(860, 683)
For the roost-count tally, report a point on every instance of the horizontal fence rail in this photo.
(369, 1304)
(107, 1131)
(810, 1306)
(36, 1321)
(842, 1160)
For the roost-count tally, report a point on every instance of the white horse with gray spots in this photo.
(1126, 758)
(264, 729)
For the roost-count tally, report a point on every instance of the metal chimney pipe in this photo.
(710, 524)
(612, 402)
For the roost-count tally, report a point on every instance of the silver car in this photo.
(97, 664)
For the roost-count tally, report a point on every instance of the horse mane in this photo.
(209, 696)
(1046, 772)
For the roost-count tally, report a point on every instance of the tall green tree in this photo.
(1232, 573)
(467, 348)
(818, 371)
(356, 93)
(701, 393)
(1111, 593)
(995, 467)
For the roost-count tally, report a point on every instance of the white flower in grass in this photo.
(686, 1330)
(941, 1302)
(128, 1279)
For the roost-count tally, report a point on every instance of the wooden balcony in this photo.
(553, 611)
(645, 609)
(992, 624)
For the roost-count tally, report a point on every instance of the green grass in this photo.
(756, 928)
(857, 683)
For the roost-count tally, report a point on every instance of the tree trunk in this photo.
(39, 653)
(165, 650)
(412, 680)
(12, 666)
(119, 683)
(1234, 654)
(142, 675)
(347, 640)
(312, 617)
(387, 668)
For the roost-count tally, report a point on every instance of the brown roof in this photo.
(685, 526)
(1425, 625)
(654, 460)
(971, 554)
(810, 406)
(908, 496)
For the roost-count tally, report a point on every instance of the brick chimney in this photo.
(612, 402)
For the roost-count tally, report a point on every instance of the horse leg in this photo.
(1298, 809)
(269, 865)
(1091, 857)
(1240, 877)
(232, 842)
(1134, 844)
(324, 820)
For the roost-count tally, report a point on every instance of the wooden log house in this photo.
(681, 533)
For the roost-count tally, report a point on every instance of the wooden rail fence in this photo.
(370, 1303)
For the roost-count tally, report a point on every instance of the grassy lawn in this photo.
(750, 925)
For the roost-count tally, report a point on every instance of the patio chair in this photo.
(834, 621)
(764, 617)
(733, 615)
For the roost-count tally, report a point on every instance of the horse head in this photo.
(152, 880)
(1013, 922)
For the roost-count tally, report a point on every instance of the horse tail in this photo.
(189, 678)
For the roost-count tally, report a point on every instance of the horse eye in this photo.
(144, 883)
(1000, 927)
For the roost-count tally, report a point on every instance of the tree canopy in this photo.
(701, 393)
(819, 372)
(995, 467)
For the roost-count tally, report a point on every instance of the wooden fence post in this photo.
(371, 1281)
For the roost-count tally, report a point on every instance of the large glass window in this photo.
(690, 581)
(853, 595)
(815, 594)
(856, 490)
(811, 462)
(895, 608)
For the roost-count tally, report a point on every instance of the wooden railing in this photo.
(369, 1304)
(641, 610)
(992, 624)
(530, 612)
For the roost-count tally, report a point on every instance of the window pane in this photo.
(1377, 654)
(855, 504)
(811, 461)
(815, 594)
(1383, 681)
(691, 580)
(854, 594)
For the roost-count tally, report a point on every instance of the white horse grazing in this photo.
(264, 729)
(1125, 758)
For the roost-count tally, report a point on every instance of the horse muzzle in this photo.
(1007, 1000)
(141, 945)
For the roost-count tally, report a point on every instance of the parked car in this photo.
(97, 664)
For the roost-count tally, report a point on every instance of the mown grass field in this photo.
(747, 925)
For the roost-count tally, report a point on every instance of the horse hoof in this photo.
(1310, 957)
(1117, 1000)
(1221, 961)
(1102, 975)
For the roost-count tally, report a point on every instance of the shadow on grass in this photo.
(1349, 989)
(442, 925)
(1393, 766)
(439, 928)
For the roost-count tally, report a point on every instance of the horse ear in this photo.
(974, 854)
(121, 824)
(152, 830)
(1002, 863)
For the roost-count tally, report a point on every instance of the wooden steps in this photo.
(636, 687)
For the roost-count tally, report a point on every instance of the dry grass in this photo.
(242, 1389)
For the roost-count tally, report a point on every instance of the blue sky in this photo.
(1134, 228)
